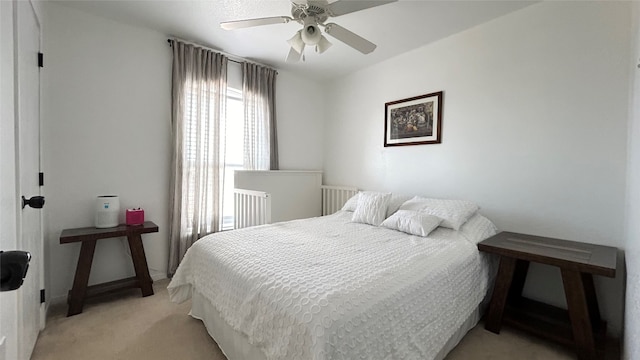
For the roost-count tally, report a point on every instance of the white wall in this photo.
(106, 122)
(534, 128)
(632, 236)
(106, 114)
(301, 113)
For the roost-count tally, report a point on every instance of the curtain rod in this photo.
(232, 58)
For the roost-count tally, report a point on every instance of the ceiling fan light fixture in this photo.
(311, 33)
(296, 42)
(323, 45)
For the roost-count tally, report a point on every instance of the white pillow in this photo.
(372, 208)
(352, 203)
(454, 213)
(395, 202)
(412, 222)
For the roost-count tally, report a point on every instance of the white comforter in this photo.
(326, 288)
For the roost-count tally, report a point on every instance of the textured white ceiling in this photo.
(396, 28)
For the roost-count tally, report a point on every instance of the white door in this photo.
(28, 168)
(8, 199)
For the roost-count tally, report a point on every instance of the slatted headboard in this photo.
(334, 197)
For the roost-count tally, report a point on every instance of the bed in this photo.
(329, 288)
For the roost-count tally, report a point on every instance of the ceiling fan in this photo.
(313, 14)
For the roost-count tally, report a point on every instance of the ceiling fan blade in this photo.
(239, 24)
(293, 55)
(355, 41)
(342, 7)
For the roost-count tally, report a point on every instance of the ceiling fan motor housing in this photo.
(302, 12)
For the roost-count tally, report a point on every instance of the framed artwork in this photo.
(413, 121)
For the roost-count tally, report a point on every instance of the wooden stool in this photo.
(88, 236)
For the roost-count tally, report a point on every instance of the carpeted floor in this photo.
(127, 326)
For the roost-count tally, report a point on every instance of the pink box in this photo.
(135, 216)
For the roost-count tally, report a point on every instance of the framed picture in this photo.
(413, 121)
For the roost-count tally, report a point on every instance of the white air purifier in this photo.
(107, 211)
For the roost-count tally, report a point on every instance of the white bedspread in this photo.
(326, 288)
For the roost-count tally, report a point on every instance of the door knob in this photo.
(14, 265)
(36, 202)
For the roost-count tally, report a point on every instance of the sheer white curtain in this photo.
(199, 96)
(260, 138)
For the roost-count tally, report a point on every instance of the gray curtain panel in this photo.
(199, 93)
(260, 136)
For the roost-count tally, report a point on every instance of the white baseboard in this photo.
(158, 276)
(56, 301)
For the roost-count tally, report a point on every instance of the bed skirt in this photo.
(236, 346)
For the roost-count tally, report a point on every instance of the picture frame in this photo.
(414, 121)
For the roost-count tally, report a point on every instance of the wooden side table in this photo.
(578, 262)
(88, 236)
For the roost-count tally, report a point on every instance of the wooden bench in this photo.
(88, 236)
(581, 324)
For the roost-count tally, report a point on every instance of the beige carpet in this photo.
(127, 326)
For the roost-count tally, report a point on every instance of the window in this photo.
(197, 133)
(233, 130)
(207, 160)
(234, 155)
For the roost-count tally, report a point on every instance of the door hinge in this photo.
(42, 298)
(41, 179)
(40, 59)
